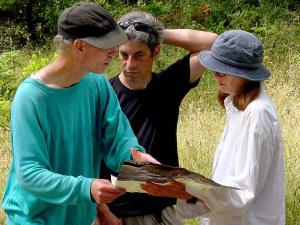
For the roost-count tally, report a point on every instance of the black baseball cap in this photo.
(91, 23)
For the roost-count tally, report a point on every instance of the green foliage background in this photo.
(27, 28)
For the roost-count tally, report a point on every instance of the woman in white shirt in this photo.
(249, 155)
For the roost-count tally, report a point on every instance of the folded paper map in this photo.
(132, 174)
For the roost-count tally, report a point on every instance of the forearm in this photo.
(185, 210)
(52, 187)
(191, 40)
(118, 137)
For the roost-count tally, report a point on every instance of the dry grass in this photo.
(4, 164)
(285, 91)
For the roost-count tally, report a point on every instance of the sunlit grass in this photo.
(4, 164)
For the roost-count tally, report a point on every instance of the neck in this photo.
(135, 84)
(61, 73)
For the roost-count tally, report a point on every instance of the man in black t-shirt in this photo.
(151, 102)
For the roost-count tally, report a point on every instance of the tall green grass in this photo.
(4, 165)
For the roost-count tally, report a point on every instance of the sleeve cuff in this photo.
(85, 190)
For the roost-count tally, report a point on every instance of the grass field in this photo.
(202, 120)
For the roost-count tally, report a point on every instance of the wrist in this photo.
(91, 192)
(165, 36)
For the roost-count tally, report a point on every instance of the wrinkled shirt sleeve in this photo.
(31, 160)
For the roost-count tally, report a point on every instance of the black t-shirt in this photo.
(153, 115)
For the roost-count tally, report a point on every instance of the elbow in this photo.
(212, 39)
(234, 202)
(28, 177)
(238, 203)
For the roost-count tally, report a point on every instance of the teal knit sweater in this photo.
(59, 137)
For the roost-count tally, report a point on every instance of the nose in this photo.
(130, 63)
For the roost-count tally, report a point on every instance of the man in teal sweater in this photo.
(65, 118)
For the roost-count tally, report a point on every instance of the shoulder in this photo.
(100, 85)
(262, 105)
(115, 82)
(29, 99)
(262, 114)
(27, 85)
(179, 66)
(177, 75)
(183, 61)
(95, 78)
(114, 79)
(96, 82)
(29, 90)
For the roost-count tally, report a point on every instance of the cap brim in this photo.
(211, 63)
(112, 39)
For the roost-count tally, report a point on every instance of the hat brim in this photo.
(112, 39)
(211, 63)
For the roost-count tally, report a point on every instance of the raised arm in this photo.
(193, 41)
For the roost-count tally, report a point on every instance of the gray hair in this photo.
(151, 39)
(61, 44)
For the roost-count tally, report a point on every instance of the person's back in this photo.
(151, 101)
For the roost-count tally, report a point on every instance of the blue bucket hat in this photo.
(237, 53)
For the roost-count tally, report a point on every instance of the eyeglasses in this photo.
(138, 26)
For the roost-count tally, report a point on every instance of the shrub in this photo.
(37, 61)
(13, 36)
(5, 114)
(11, 64)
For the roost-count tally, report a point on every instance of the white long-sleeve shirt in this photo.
(249, 157)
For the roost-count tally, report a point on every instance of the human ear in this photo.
(78, 46)
(156, 51)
